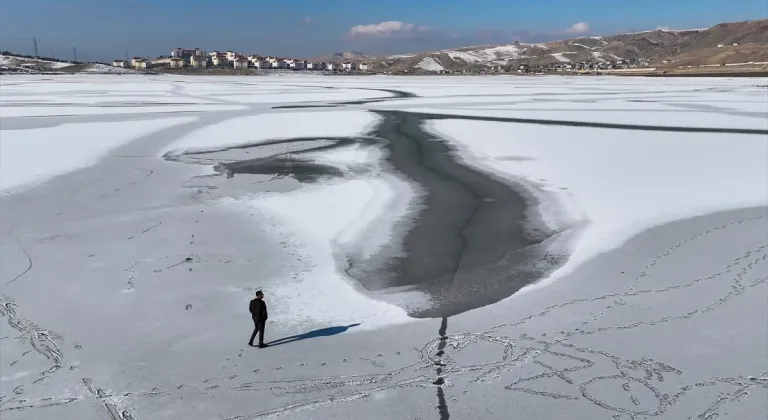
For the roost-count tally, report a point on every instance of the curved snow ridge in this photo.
(324, 224)
(242, 131)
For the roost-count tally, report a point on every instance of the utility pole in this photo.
(74, 52)
(34, 42)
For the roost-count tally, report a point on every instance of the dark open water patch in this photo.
(301, 170)
(469, 244)
(472, 243)
(280, 164)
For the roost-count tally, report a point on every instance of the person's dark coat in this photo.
(258, 310)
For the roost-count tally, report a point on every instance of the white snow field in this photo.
(32, 156)
(616, 187)
(139, 214)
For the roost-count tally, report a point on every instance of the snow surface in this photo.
(329, 218)
(128, 278)
(600, 56)
(9, 60)
(7, 111)
(617, 187)
(30, 157)
(107, 69)
(561, 57)
(499, 54)
(246, 130)
(430, 64)
(350, 215)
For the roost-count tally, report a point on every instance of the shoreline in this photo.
(639, 72)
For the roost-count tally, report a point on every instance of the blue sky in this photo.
(106, 29)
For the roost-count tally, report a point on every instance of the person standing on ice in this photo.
(259, 314)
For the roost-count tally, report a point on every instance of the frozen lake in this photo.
(429, 247)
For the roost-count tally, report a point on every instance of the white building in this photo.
(220, 61)
(160, 62)
(186, 53)
(298, 65)
(240, 63)
(261, 64)
(141, 64)
(348, 66)
(199, 62)
(279, 64)
(331, 66)
(363, 67)
(121, 63)
(231, 55)
(315, 65)
(176, 63)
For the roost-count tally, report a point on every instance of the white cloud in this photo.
(385, 29)
(578, 28)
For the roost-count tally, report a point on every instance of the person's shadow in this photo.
(323, 332)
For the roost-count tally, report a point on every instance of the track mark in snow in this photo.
(40, 340)
(184, 259)
(623, 387)
(151, 227)
(29, 263)
(145, 173)
(40, 403)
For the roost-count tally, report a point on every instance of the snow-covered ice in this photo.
(130, 243)
(41, 111)
(29, 157)
(257, 128)
(614, 187)
(327, 220)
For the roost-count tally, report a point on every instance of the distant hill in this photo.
(11, 62)
(16, 63)
(343, 56)
(693, 47)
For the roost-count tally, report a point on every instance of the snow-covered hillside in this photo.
(657, 45)
(29, 65)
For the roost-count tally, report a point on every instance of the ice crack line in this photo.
(442, 405)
